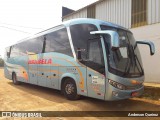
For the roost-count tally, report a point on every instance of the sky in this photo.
(22, 18)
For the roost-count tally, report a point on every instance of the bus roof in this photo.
(91, 21)
(74, 22)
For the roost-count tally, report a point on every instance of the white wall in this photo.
(115, 11)
(151, 64)
(119, 12)
(153, 11)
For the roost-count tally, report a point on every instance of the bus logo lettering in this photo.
(40, 61)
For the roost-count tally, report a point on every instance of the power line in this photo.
(15, 29)
(20, 26)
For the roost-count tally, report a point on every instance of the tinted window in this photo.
(104, 27)
(7, 50)
(22, 48)
(80, 34)
(125, 61)
(95, 52)
(14, 51)
(34, 45)
(58, 42)
(95, 56)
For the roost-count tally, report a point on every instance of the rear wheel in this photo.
(70, 90)
(14, 78)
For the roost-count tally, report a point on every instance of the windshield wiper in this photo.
(131, 60)
(136, 60)
(141, 72)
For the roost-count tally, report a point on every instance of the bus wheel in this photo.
(70, 90)
(14, 78)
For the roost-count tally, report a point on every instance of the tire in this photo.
(14, 78)
(69, 89)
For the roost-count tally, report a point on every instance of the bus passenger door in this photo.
(95, 70)
(32, 65)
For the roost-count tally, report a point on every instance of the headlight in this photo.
(117, 85)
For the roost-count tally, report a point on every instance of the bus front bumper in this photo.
(113, 93)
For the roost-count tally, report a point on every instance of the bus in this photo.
(80, 57)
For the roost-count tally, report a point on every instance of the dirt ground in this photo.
(26, 97)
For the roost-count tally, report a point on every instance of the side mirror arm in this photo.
(115, 43)
(149, 43)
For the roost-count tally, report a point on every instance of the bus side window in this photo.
(58, 41)
(95, 56)
(34, 46)
(14, 51)
(80, 34)
(7, 52)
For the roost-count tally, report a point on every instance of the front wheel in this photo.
(14, 78)
(70, 90)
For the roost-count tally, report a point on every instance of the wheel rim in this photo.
(69, 88)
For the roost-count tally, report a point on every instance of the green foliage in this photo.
(1, 62)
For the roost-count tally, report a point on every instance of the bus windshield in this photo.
(124, 61)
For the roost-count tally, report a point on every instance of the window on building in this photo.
(58, 42)
(139, 13)
(91, 12)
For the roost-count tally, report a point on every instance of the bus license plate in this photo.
(134, 94)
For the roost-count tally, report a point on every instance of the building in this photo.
(131, 14)
(127, 13)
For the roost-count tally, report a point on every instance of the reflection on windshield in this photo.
(124, 61)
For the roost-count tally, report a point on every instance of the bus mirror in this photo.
(115, 42)
(149, 43)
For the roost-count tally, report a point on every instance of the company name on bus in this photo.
(40, 61)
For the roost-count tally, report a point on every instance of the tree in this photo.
(1, 62)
